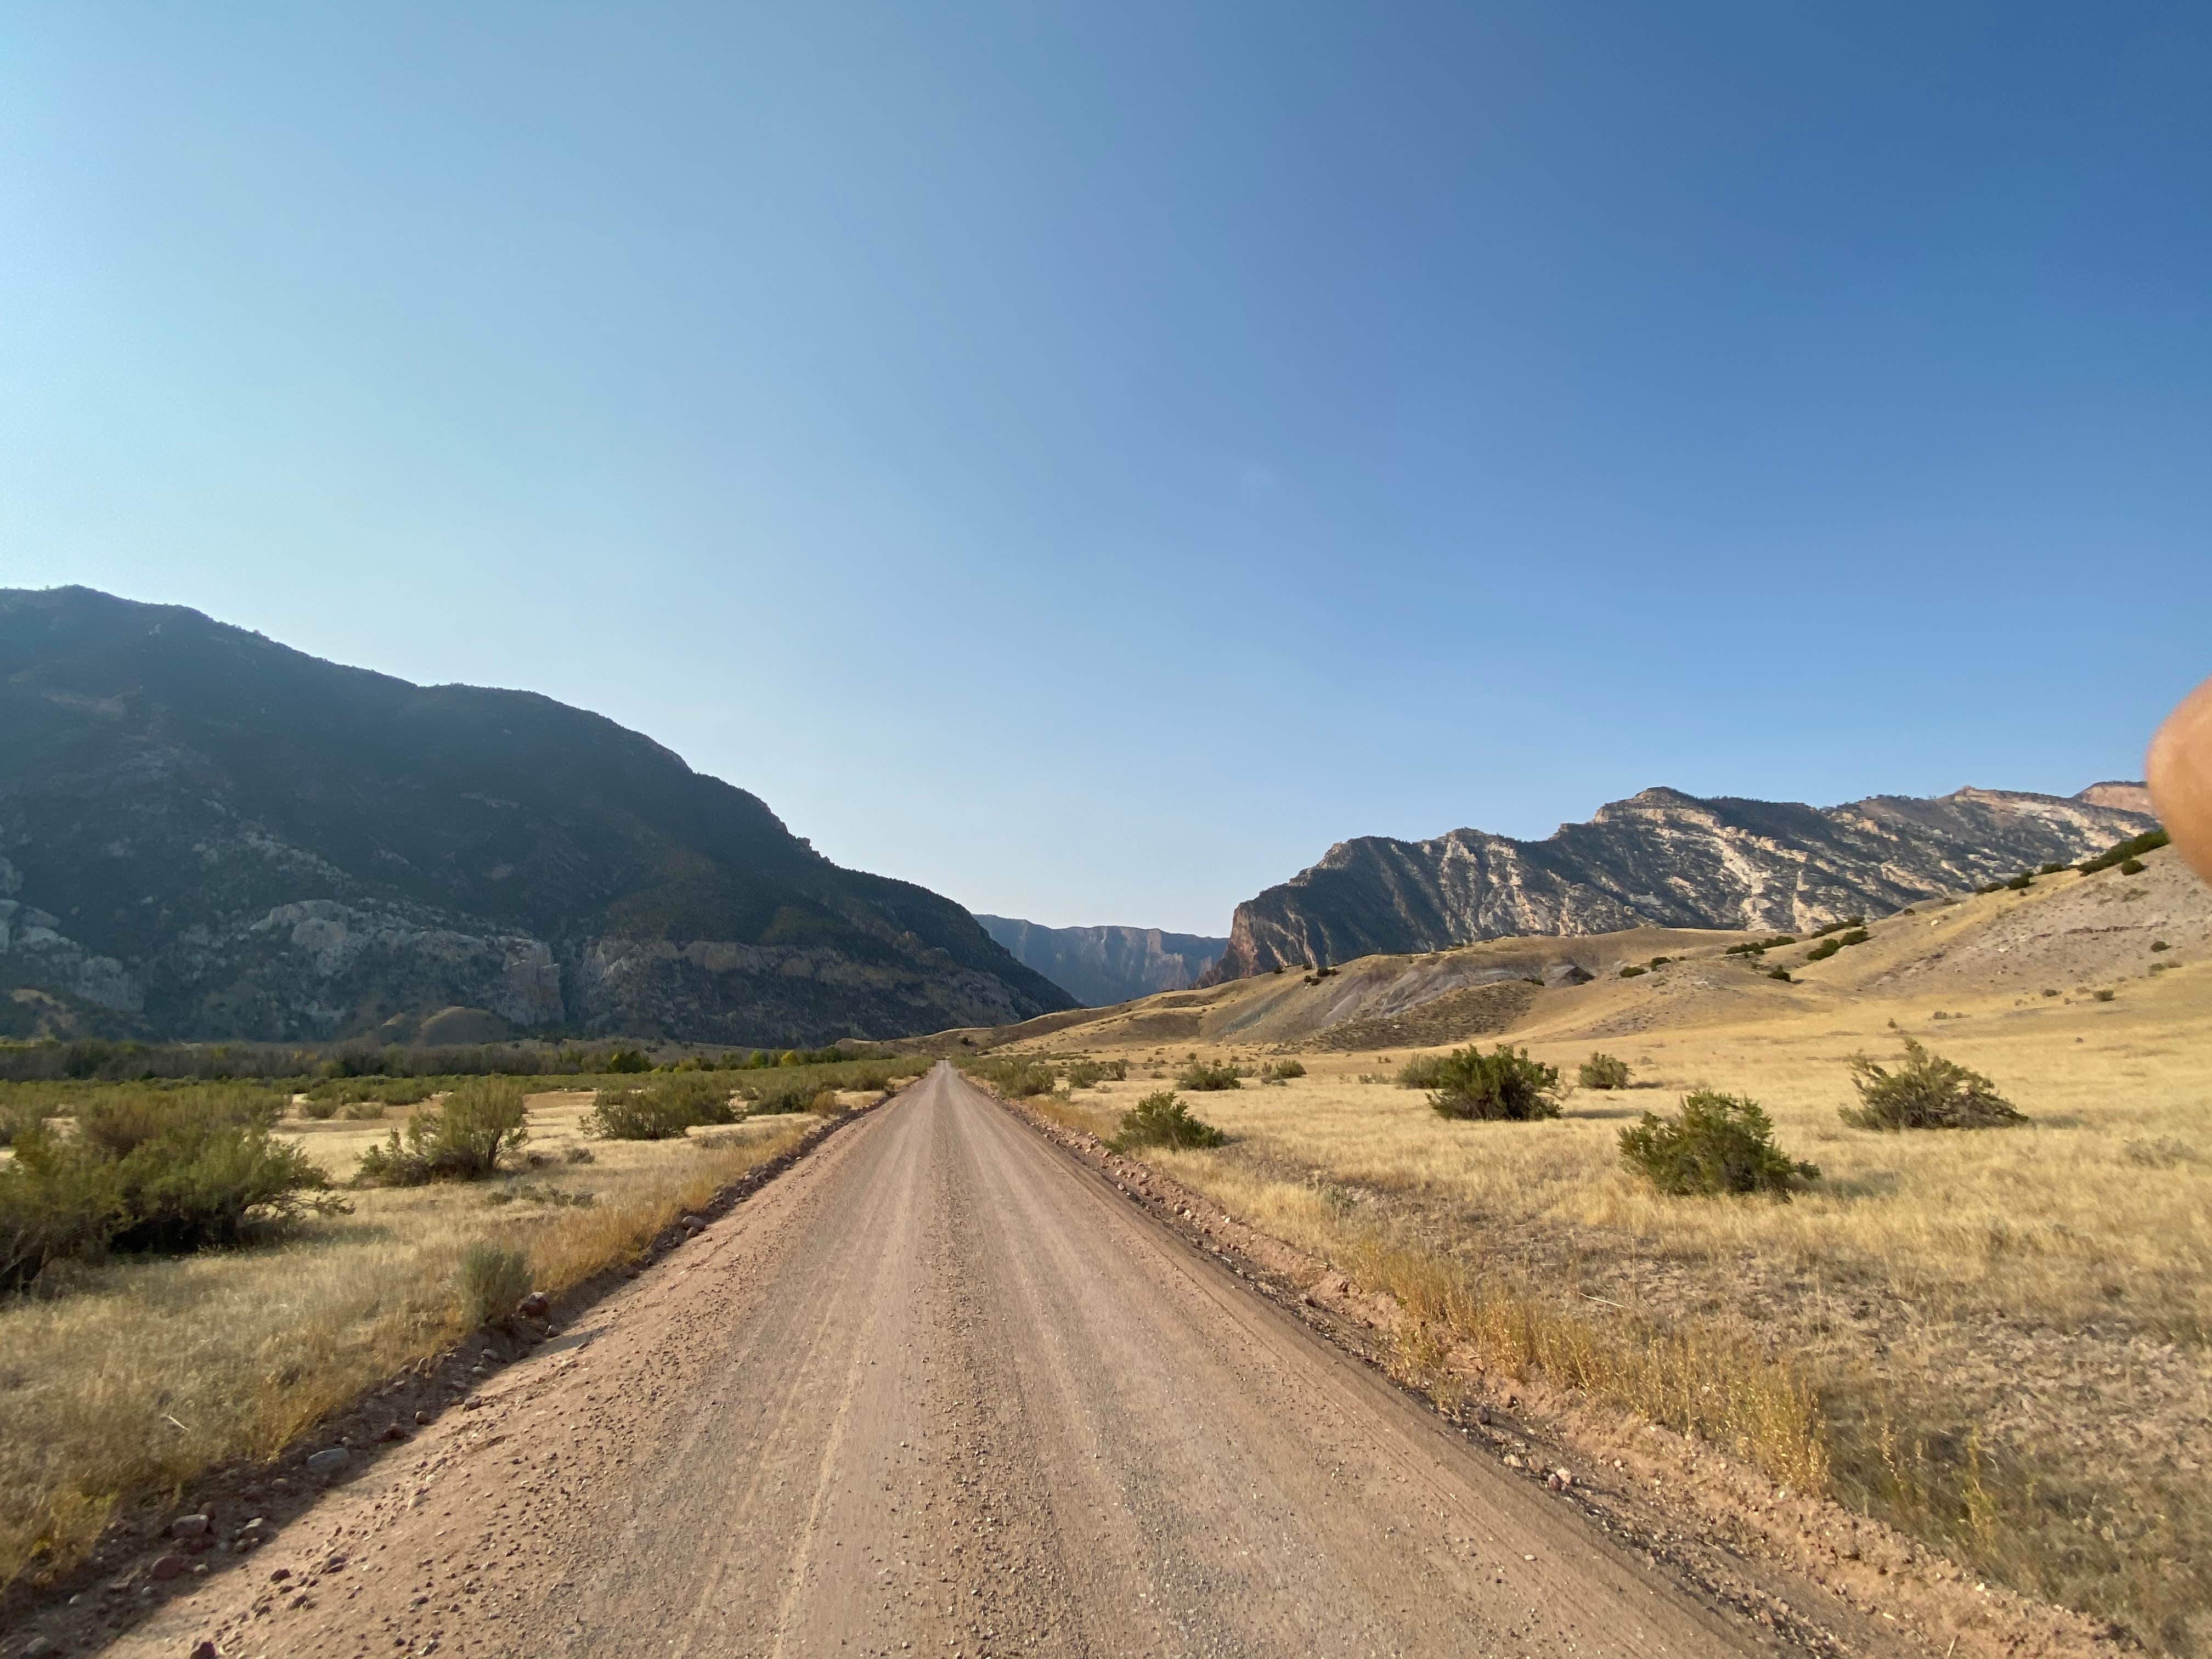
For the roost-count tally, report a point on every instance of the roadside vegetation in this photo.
(1912, 1333)
(188, 1279)
(1161, 1119)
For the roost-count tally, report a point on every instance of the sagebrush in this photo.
(1506, 1085)
(463, 1139)
(1162, 1119)
(1718, 1144)
(1927, 1091)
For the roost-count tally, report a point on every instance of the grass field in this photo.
(1996, 1339)
(122, 1380)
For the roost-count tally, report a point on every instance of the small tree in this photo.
(1926, 1092)
(1505, 1085)
(1603, 1071)
(1162, 1120)
(1719, 1144)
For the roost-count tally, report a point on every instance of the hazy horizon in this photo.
(1089, 463)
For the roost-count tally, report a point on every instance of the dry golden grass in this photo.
(137, 1375)
(1996, 1340)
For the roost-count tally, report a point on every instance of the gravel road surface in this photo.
(940, 1390)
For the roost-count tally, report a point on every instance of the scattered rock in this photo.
(167, 1566)
(204, 1649)
(199, 1569)
(1513, 1461)
(189, 1526)
(395, 1432)
(278, 1575)
(421, 1418)
(533, 1306)
(329, 1461)
(1559, 1479)
(489, 1356)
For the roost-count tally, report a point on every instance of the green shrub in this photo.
(365, 1111)
(1280, 1071)
(1089, 1073)
(1659, 962)
(2132, 866)
(1632, 970)
(1838, 926)
(1505, 1085)
(777, 1100)
(2051, 869)
(1422, 1072)
(2021, 882)
(1855, 936)
(1718, 1144)
(492, 1281)
(1782, 973)
(462, 1139)
(204, 1184)
(1603, 1071)
(153, 1169)
(26, 1114)
(626, 1059)
(1162, 1120)
(321, 1107)
(1757, 947)
(2157, 945)
(1015, 1076)
(1925, 1092)
(661, 1110)
(2128, 852)
(2104, 995)
(1823, 950)
(55, 1203)
(1201, 1076)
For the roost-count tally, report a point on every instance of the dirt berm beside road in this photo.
(940, 1389)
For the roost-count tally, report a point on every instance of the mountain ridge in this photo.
(1101, 966)
(1661, 858)
(206, 834)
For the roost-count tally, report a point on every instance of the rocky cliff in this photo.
(204, 834)
(1100, 966)
(1666, 860)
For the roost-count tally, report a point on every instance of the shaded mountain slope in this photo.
(204, 833)
(1661, 859)
(1099, 966)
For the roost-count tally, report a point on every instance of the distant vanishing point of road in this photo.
(940, 1390)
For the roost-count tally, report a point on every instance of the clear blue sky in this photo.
(1087, 459)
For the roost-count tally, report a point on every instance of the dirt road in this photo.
(940, 1390)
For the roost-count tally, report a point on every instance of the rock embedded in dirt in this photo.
(395, 1432)
(189, 1526)
(329, 1461)
(423, 1418)
(533, 1306)
(166, 1567)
